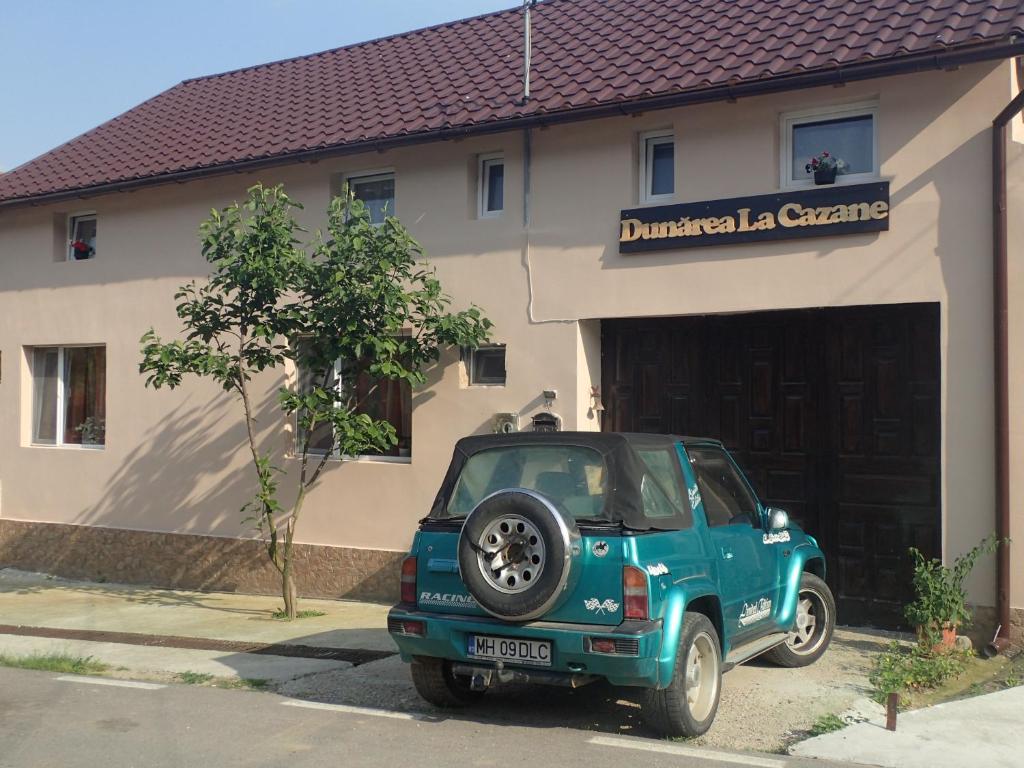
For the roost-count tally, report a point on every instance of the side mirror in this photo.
(778, 519)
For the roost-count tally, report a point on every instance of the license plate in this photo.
(535, 652)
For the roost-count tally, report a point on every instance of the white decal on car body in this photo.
(659, 569)
(758, 611)
(593, 604)
(775, 538)
(446, 599)
(694, 497)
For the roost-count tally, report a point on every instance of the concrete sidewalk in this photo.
(37, 604)
(36, 600)
(984, 730)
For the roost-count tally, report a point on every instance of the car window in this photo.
(670, 498)
(572, 477)
(727, 499)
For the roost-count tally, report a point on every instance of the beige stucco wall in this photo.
(173, 462)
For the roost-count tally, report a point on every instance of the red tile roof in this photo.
(466, 75)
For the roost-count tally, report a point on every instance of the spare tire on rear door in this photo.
(516, 554)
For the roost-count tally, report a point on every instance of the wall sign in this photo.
(816, 212)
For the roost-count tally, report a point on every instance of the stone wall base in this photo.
(984, 627)
(185, 561)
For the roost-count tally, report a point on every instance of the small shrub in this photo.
(900, 669)
(194, 678)
(827, 724)
(282, 615)
(940, 598)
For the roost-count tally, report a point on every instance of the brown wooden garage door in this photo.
(833, 413)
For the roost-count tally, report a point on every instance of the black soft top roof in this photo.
(626, 470)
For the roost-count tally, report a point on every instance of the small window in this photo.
(487, 365)
(82, 237)
(69, 396)
(846, 133)
(377, 191)
(726, 498)
(657, 167)
(491, 180)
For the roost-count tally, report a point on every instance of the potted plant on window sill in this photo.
(81, 250)
(825, 167)
(940, 604)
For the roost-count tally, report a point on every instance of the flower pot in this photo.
(947, 642)
(825, 175)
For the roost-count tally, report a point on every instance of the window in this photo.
(725, 495)
(69, 396)
(487, 365)
(491, 181)
(657, 166)
(846, 133)
(81, 237)
(572, 477)
(382, 399)
(377, 191)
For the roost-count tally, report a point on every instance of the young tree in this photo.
(361, 303)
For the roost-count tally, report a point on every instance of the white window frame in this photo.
(647, 141)
(374, 175)
(61, 394)
(73, 218)
(789, 120)
(483, 172)
(470, 355)
(334, 455)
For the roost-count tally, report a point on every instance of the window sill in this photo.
(486, 386)
(362, 459)
(841, 181)
(654, 201)
(68, 447)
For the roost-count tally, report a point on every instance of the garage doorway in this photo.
(833, 413)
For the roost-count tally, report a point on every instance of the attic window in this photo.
(82, 237)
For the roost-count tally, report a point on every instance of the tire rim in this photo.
(811, 620)
(511, 554)
(701, 676)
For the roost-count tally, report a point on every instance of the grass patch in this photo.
(193, 678)
(914, 670)
(282, 615)
(246, 683)
(56, 662)
(827, 724)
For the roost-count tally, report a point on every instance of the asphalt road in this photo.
(50, 720)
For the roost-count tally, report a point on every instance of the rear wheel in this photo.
(689, 704)
(435, 682)
(812, 628)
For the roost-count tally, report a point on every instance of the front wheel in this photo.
(812, 628)
(688, 706)
(435, 682)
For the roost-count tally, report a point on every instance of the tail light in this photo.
(634, 593)
(409, 580)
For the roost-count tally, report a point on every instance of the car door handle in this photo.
(727, 554)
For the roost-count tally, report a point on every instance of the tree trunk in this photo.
(291, 599)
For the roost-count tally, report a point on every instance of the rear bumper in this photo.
(446, 637)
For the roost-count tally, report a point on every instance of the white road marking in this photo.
(108, 681)
(351, 710)
(676, 749)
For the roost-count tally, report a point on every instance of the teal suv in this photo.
(562, 558)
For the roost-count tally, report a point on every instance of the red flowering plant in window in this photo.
(82, 250)
(825, 167)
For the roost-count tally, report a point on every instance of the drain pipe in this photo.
(1002, 394)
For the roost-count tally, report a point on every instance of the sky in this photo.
(68, 65)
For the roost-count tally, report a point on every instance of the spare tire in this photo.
(516, 554)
